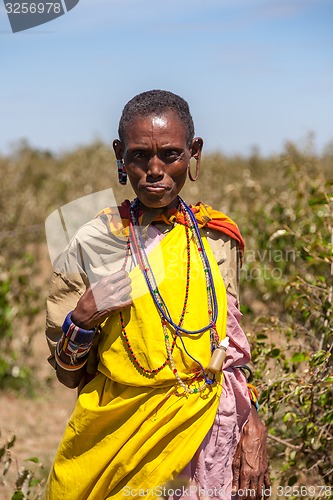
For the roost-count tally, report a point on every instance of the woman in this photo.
(143, 295)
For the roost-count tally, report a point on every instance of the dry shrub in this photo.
(283, 205)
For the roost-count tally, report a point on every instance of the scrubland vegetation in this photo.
(283, 205)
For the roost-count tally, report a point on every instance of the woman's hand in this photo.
(111, 293)
(250, 465)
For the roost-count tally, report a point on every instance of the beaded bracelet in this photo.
(75, 333)
(75, 343)
(253, 395)
(72, 366)
(73, 350)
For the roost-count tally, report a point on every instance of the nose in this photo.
(155, 167)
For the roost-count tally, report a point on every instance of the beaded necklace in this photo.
(135, 238)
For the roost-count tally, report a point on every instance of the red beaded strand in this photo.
(135, 359)
(163, 321)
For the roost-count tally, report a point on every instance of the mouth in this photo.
(156, 188)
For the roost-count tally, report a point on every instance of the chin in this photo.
(155, 201)
(155, 204)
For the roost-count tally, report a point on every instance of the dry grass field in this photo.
(283, 206)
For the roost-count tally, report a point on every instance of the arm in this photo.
(96, 303)
(94, 255)
(65, 291)
(250, 466)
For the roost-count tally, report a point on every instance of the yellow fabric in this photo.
(131, 430)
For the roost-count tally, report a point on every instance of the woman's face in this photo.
(156, 156)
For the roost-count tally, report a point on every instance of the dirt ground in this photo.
(38, 423)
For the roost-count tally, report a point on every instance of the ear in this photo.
(196, 148)
(118, 149)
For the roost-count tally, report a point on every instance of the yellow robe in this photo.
(131, 432)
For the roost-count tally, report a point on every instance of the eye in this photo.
(171, 155)
(140, 154)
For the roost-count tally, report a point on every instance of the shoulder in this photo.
(223, 246)
(219, 221)
(92, 231)
(227, 254)
(94, 249)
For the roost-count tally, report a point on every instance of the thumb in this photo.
(236, 469)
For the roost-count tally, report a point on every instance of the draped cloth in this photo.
(137, 431)
(205, 215)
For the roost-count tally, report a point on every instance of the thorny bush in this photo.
(283, 206)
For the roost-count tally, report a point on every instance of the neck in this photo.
(173, 204)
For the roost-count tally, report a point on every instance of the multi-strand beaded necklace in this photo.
(136, 242)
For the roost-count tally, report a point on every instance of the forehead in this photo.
(165, 128)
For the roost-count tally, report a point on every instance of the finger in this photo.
(252, 490)
(267, 480)
(236, 470)
(106, 290)
(125, 293)
(258, 488)
(125, 283)
(118, 276)
(121, 300)
(260, 485)
(112, 279)
(119, 306)
(266, 490)
(118, 287)
(244, 492)
(117, 301)
(126, 303)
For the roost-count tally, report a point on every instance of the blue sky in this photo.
(255, 72)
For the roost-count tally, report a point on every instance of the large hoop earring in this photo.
(122, 175)
(197, 170)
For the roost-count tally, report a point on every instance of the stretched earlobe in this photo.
(196, 149)
(118, 149)
(197, 170)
